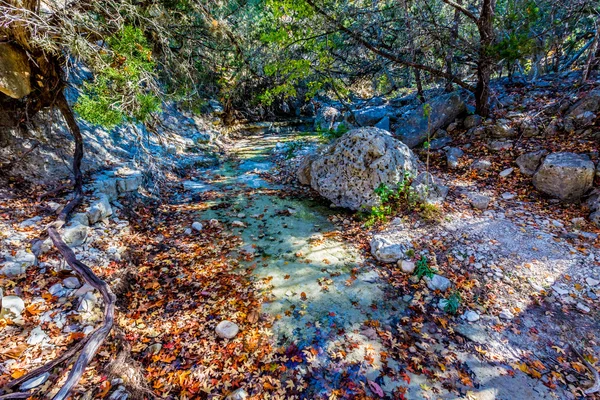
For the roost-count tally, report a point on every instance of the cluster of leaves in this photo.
(120, 89)
(422, 268)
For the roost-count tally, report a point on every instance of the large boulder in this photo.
(589, 103)
(567, 176)
(15, 75)
(415, 126)
(370, 116)
(348, 171)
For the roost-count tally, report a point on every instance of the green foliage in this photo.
(328, 135)
(430, 212)
(292, 147)
(120, 88)
(422, 268)
(453, 303)
(391, 200)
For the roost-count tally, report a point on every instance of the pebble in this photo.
(471, 316)
(407, 267)
(238, 224)
(239, 394)
(71, 283)
(197, 226)
(506, 172)
(37, 336)
(227, 329)
(508, 196)
(438, 282)
(583, 308)
(12, 306)
(592, 282)
(506, 315)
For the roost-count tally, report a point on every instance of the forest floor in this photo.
(318, 317)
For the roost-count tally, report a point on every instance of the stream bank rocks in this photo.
(349, 170)
(566, 176)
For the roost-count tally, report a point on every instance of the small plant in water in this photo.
(422, 268)
(453, 303)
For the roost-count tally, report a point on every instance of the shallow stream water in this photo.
(322, 293)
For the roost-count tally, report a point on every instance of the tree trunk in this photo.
(453, 38)
(485, 25)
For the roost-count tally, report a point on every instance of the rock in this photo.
(154, 348)
(589, 103)
(349, 170)
(440, 142)
(15, 74)
(452, 156)
(408, 267)
(471, 316)
(99, 210)
(227, 330)
(508, 196)
(197, 226)
(107, 186)
(427, 190)
(473, 332)
(414, 126)
(501, 129)
(239, 394)
(303, 174)
(81, 218)
(506, 172)
(71, 283)
(481, 165)
(506, 315)
(34, 382)
(384, 124)
(216, 106)
(187, 231)
(438, 282)
(75, 234)
(88, 302)
(479, 201)
(37, 336)
(583, 308)
(500, 145)
(529, 162)
(326, 117)
(384, 250)
(238, 224)
(57, 290)
(369, 116)
(17, 265)
(567, 176)
(129, 181)
(12, 307)
(442, 304)
(584, 119)
(529, 128)
(472, 121)
(591, 281)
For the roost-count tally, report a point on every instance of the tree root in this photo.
(87, 347)
(595, 388)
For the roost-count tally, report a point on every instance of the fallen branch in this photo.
(595, 388)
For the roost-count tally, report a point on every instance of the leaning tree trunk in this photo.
(450, 56)
(485, 25)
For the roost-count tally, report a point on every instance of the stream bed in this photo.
(322, 293)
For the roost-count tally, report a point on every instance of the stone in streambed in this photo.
(227, 329)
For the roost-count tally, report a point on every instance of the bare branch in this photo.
(462, 10)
